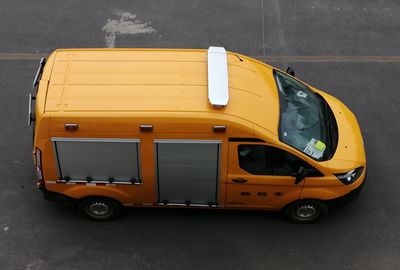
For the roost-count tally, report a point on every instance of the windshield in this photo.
(306, 122)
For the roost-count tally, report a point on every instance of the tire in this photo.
(99, 208)
(305, 211)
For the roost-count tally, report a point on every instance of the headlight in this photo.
(351, 176)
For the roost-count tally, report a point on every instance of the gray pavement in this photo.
(36, 234)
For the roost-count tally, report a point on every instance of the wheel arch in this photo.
(79, 193)
(80, 200)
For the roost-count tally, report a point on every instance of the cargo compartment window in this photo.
(267, 160)
(111, 160)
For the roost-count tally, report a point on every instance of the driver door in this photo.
(261, 176)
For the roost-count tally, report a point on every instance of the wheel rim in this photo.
(307, 211)
(99, 209)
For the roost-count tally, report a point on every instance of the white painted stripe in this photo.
(263, 26)
(127, 24)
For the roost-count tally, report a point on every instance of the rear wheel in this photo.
(99, 208)
(305, 211)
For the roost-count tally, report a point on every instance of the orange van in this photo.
(118, 128)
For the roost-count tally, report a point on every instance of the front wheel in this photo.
(99, 208)
(305, 211)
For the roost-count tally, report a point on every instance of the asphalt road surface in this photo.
(350, 50)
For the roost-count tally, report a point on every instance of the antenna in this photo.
(220, 42)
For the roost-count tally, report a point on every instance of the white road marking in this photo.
(263, 26)
(280, 38)
(126, 25)
(34, 265)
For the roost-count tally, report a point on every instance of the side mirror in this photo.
(301, 174)
(290, 71)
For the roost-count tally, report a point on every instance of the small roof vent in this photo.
(218, 90)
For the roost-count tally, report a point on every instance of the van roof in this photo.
(158, 80)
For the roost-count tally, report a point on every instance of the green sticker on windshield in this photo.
(315, 148)
(320, 146)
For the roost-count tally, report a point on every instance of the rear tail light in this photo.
(39, 172)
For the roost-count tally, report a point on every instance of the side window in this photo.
(267, 160)
(283, 162)
(254, 159)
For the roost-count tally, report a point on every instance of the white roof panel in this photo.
(218, 90)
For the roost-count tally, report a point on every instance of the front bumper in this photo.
(349, 197)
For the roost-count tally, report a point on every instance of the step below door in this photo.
(187, 171)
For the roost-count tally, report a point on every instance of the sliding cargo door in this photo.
(98, 160)
(187, 171)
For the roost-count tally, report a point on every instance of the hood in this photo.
(350, 145)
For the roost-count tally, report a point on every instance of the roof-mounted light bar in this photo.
(218, 90)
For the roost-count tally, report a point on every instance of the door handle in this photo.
(239, 180)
